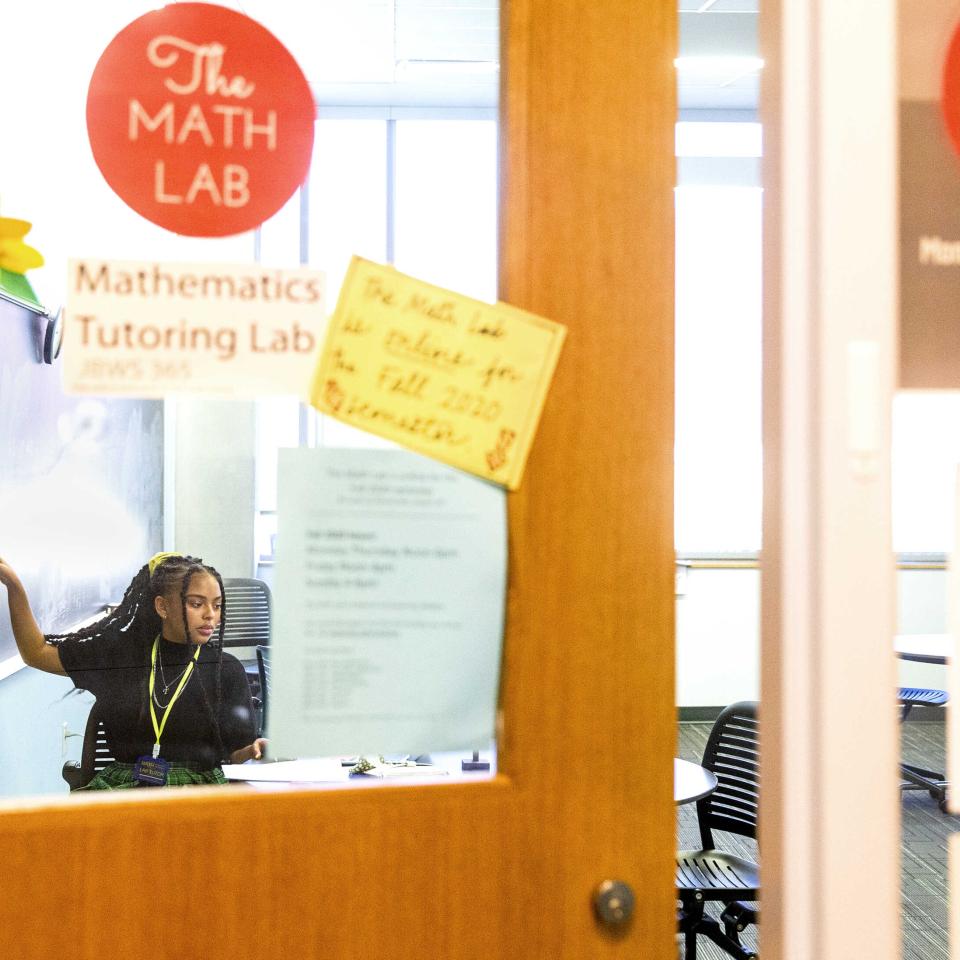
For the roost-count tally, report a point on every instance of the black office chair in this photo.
(249, 609)
(263, 666)
(914, 777)
(249, 606)
(709, 874)
(94, 756)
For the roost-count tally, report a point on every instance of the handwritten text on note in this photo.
(458, 379)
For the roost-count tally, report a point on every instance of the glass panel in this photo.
(277, 426)
(280, 236)
(219, 459)
(348, 197)
(926, 451)
(446, 203)
(348, 215)
(333, 433)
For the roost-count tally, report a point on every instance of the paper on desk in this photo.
(390, 770)
(314, 770)
(389, 599)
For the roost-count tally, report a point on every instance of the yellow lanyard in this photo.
(158, 729)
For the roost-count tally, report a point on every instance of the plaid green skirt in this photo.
(119, 776)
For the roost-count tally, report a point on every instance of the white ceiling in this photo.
(718, 50)
(350, 48)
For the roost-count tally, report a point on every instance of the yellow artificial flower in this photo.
(15, 255)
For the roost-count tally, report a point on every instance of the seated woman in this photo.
(173, 704)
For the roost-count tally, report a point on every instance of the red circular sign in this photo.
(950, 99)
(200, 119)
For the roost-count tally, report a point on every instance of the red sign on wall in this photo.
(950, 100)
(200, 120)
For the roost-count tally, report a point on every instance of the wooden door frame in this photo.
(504, 868)
(830, 832)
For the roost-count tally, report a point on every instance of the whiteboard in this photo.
(81, 484)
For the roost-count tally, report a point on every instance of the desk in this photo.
(924, 647)
(328, 774)
(691, 781)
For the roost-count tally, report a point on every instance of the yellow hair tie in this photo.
(159, 558)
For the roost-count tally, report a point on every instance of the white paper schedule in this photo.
(389, 600)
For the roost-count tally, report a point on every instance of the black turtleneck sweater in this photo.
(115, 668)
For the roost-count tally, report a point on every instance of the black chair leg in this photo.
(736, 917)
(690, 918)
(711, 929)
(694, 922)
(917, 778)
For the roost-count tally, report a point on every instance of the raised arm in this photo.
(34, 650)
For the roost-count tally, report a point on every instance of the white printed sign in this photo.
(141, 329)
(389, 604)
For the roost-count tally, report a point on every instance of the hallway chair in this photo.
(709, 874)
(918, 778)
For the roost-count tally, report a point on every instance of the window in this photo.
(446, 204)
(718, 458)
(348, 197)
(420, 191)
(926, 458)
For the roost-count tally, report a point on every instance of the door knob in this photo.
(613, 902)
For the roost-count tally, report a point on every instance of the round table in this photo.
(924, 647)
(691, 781)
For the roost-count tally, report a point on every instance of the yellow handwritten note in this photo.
(454, 378)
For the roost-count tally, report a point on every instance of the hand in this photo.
(253, 751)
(8, 576)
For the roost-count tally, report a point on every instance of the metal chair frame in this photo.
(912, 776)
(94, 756)
(263, 666)
(709, 874)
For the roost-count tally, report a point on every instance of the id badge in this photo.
(151, 771)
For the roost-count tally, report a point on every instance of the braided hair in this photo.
(197, 566)
(136, 616)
